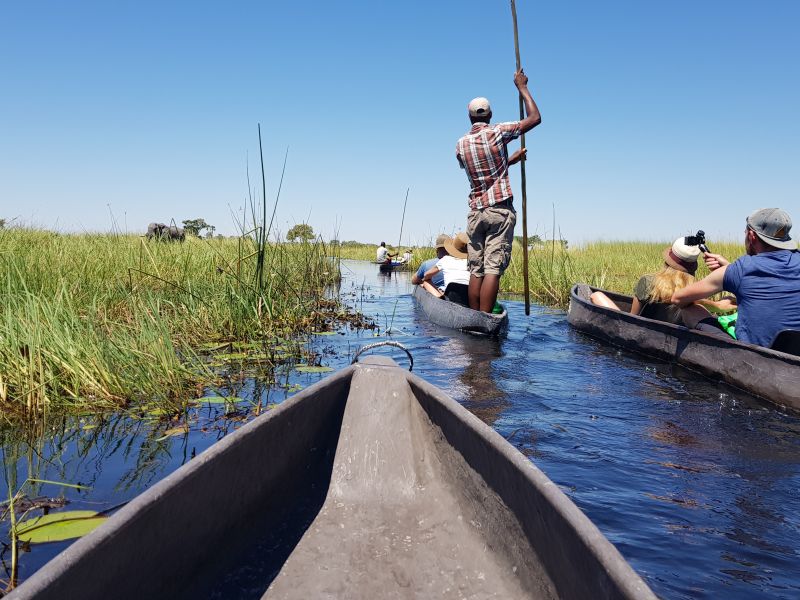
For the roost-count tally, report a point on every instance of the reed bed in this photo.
(98, 321)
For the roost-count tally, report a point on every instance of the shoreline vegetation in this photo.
(94, 322)
(553, 268)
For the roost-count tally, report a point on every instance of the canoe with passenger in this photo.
(772, 374)
(447, 313)
(369, 484)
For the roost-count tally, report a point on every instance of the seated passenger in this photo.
(652, 295)
(455, 269)
(382, 254)
(438, 279)
(766, 281)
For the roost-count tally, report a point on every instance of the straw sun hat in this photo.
(457, 247)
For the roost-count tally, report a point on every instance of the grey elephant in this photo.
(176, 234)
(157, 231)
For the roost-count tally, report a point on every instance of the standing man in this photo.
(766, 282)
(483, 154)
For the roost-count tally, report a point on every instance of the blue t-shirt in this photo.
(767, 289)
(438, 279)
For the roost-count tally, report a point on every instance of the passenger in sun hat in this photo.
(766, 281)
(438, 279)
(455, 270)
(652, 294)
(483, 154)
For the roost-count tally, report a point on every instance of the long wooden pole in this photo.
(522, 174)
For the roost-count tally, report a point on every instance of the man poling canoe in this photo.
(483, 154)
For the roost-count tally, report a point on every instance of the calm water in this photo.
(697, 485)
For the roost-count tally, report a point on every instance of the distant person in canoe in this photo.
(483, 154)
(652, 295)
(407, 255)
(382, 254)
(766, 281)
(438, 279)
(455, 270)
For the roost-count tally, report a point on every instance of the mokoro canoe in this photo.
(771, 375)
(451, 314)
(369, 484)
(394, 265)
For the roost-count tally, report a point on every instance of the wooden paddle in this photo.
(522, 174)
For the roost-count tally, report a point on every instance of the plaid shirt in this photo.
(483, 154)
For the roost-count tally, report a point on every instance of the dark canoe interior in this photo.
(455, 316)
(370, 484)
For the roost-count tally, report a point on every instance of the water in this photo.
(696, 484)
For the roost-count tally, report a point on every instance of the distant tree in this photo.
(532, 239)
(2, 223)
(210, 232)
(302, 231)
(195, 226)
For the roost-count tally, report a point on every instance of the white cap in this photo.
(479, 107)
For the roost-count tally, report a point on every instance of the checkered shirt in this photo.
(483, 155)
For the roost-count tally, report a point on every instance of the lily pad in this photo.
(220, 399)
(175, 431)
(58, 526)
(323, 332)
(312, 369)
(232, 356)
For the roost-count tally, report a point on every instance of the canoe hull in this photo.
(407, 495)
(452, 315)
(770, 375)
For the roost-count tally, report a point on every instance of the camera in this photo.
(698, 239)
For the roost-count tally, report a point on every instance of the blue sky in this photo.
(658, 118)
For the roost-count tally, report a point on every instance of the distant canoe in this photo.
(768, 374)
(394, 265)
(369, 484)
(450, 314)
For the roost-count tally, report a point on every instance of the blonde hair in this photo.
(666, 282)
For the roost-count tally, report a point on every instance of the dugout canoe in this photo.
(369, 484)
(770, 375)
(451, 314)
(394, 265)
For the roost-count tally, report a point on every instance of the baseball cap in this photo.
(441, 239)
(682, 257)
(772, 225)
(479, 107)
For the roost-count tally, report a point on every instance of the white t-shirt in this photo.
(380, 255)
(455, 270)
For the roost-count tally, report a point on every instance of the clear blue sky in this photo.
(658, 118)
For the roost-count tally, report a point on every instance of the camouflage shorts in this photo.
(491, 232)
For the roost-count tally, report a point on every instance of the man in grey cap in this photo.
(766, 282)
(482, 153)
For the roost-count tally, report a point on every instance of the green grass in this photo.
(99, 321)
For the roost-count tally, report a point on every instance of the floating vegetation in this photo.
(58, 526)
(312, 369)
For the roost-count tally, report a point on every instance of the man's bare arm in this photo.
(533, 118)
(708, 286)
(430, 273)
(519, 155)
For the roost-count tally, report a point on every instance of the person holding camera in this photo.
(766, 281)
(652, 295)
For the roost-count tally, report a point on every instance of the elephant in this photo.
(156, 231)
(161, 231)
(175, 233)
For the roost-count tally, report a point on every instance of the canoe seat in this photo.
(787, 341)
